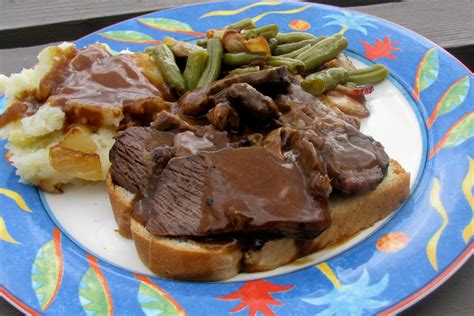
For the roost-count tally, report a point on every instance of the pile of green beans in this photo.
(302, 53)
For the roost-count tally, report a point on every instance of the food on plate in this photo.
(250, 173)
(239, 153)
(61, 116)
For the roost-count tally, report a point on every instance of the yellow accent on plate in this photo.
(17, 198)
(327, 271)
(466, 186)
(4, 234)
(237, 11)
(260, 16)
(432, 245)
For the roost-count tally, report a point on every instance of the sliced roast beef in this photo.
(140, 154)
(297, 100)
(270, 82)
(136, 154)
(245, 192)
(289, 144)
(355, 162)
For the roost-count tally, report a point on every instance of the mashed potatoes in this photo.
(30, 138)
(62, 115)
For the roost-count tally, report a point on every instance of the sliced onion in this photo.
(258, 45)
(234, 42)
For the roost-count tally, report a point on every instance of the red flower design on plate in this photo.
(256, 296)
(381, 49)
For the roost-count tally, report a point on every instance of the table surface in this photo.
(26, 25)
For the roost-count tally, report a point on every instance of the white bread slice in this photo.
(122, 206)
(185, 259)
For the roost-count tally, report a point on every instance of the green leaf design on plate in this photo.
(153, 302)
(166, 24)
(429, 69)
(461, 131)
(92, 295)
(128, 36)
(454, 96)
(46, 272)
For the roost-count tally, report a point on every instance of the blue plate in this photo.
(428, 239)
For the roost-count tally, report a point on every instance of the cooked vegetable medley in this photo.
(241, 47)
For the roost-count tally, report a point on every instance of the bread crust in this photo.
(186, 259)
(122, 207)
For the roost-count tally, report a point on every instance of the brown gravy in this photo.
(90, 82)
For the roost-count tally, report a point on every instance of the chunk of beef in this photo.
(224, 117)
(136, 155)
(289, 144)
(253, 106)
(269, 81)
(355, 162)
(244, 192)
(166, 121)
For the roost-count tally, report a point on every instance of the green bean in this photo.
(295, 53)
(244, 24)
(285, 38)
(293, 65)
(370, 75)
(240, 59)
(180, 48)
(290, 47)
(272, 42)
(325, 80)
(267, 31)
(323, 51)
(166, 63)
(194, 68)
(246, 70)
(213, 66)
(323, 44)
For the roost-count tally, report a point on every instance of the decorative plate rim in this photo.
(427, 164)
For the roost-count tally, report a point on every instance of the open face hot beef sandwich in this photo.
(248, 173)
(241, 152)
